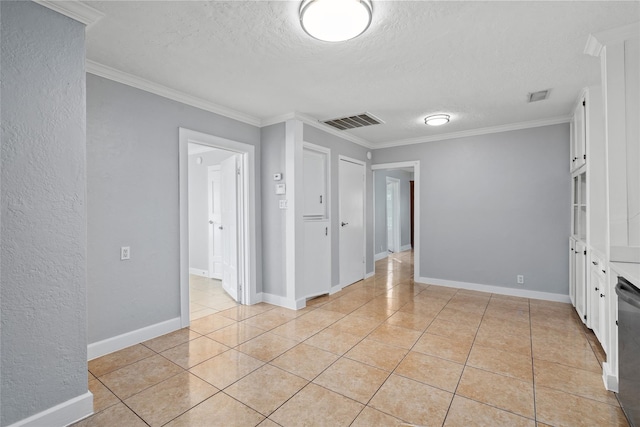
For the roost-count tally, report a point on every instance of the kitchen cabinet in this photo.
(578, 148)
(315, 183)
(598, 293)
(580, 274)
(316, 260)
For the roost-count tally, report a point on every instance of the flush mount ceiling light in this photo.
(335, 20)
(437, 120)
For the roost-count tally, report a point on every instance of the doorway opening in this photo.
(396, 199)
(217, 225)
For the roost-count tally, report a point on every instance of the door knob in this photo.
(345, 223)
(219, 227)
(210, 222)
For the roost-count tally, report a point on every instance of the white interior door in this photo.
(393, 214)
(351, 199)
(215, 223)
(229, 224)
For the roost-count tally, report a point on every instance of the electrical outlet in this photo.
(283, 204)
(125, 253)
(520, 279)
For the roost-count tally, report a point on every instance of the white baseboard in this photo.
(334, 289)
(198, 272)
(524, 293)
(405, 247)
(370, 274)
(610, 380)
(128, 339)
(381, 255)
(62, 414)
(282, 301)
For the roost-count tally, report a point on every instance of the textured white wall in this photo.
(43, 219)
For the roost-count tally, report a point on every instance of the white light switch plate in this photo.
(281, 189)
(125, 253)
(284, 204)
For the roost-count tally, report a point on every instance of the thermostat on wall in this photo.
(280, 189)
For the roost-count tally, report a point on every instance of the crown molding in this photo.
(593, 46)
(597, 41)
(74, 10)
(116, 75)
(476, 132)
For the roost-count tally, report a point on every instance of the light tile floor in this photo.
(383, 352)
(207, 297)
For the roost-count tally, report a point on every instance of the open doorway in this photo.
(217, 225)
(213, 214)
(397, 213)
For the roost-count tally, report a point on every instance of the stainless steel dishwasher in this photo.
(629, 349)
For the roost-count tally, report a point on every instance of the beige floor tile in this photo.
(377, 314)
(322, 317)
(506, 393)
(352, 379)
(210, 323)
(467, 306)
(431, 370)
(172, 339)
(226, 368)
(562, 409)
(370, 417)
(459, 331)
(425, 308)
(164, 401)
(127, 381)
(242, 312)
(412, 401)
(90, 376)
(466, 412)
(218, 411)
(511, 314)
(333, 340)
(572, 380)
(317, 406)
(269, 319)
(251, 389)
(235, 334)
(268, 423)
(305, 361)
(579, 356)
(513, 343)
(507, 363)
(447, 348)
(356, 325)
(461, 317)
(267, 346)
(195, 351)
(507, 327)
(116, 415)
(395, 335)
(111, 362)
(344, 305)
(378, 354)
(298, 329)
(102, 396)
(195, 315)
(418, 322)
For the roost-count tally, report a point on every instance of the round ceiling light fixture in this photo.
(335, 20)
(437, 120)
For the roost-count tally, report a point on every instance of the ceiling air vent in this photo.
(539, 96)
(352, 122)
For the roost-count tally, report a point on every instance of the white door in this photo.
(215, 223)
(580, 265)
(393, 214)
(351, 189)
(229, 224)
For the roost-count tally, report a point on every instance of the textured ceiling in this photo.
(474, 60)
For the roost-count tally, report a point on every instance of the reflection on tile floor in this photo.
(383, 352)
(207, 297)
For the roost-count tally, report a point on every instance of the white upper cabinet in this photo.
(315, 183)
(579, 136)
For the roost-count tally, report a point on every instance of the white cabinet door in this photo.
(314, 183)
(317, 260)
(596, 289)
(581, 279)
(579, 132)
(572, 267)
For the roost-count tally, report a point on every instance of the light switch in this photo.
(284, 203)
(281, 189)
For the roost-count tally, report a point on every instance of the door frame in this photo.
(247, 255)
(364, 215)
(210, 169)
(415, 164)
(395, 182)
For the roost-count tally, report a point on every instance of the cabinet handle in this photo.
(344, 223)
(597, 289)
(604, 271)
(594, 263)
(601, 295)
(326, 231)
(321, 199)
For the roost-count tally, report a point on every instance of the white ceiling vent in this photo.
(352, 122)
(539, 96)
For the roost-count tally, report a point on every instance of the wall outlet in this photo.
(125, 253)
(520, 279)
(283, 204)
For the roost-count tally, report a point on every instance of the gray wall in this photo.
(132, 161)
(380, 208)
(199, 206)
(494, 206)
(273, 218)
(343, 147)
(43, 248)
